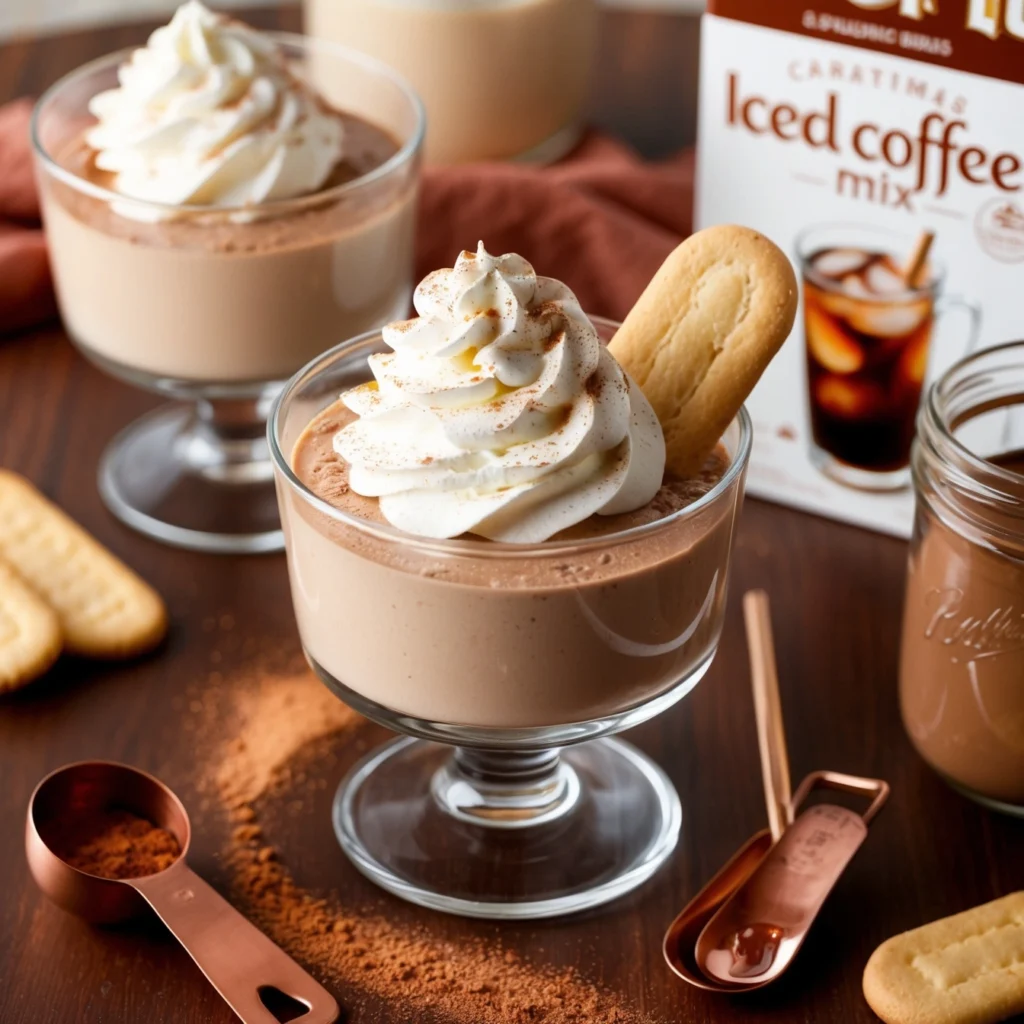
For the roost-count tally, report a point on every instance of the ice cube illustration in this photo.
(847, 398)
(837, 263)
(855, 288)
(830, 345)
(838, 304)
(889, 320)
(881, 280)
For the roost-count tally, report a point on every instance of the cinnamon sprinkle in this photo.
(291, 723)
(114, 844)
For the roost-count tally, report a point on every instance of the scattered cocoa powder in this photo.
(277, 719)
(285, 725)
(113, 844)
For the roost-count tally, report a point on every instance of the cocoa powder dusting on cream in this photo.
(286, 726)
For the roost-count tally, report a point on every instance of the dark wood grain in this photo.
(836, 592)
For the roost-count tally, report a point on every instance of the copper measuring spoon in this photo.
(755, 934)
(746, 925)
(680, 943)
(238, 959)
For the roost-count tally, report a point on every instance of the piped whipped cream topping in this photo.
(207, 113)
(499, 412)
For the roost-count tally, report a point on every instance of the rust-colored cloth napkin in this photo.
(602, 220)
(26, 291)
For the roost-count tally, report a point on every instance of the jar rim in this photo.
(958, 470)
(942, 389)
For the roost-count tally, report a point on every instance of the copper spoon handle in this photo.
(771, 736)
(236, 957)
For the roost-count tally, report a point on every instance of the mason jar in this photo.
(962, 655)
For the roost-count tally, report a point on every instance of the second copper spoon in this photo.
(728, 939)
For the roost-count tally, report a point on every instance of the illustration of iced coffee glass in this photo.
(869, 330)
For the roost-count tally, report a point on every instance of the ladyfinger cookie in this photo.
(964, 969)
(30, 636)
(104, 609)
(702, 333)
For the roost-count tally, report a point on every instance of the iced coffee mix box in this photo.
(881, 143)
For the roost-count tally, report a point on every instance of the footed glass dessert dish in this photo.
(508, 668)
(214, 295)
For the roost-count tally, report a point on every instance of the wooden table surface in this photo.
(836, 590)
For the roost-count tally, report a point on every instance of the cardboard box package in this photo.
(853, 133)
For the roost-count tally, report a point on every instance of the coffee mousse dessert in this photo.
(961, 682)
(502, 537)
(202, 230)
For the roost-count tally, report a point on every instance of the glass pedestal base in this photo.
(507, 835)
(196, 477)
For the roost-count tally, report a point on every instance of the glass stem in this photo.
(226, 440)
(506, 789)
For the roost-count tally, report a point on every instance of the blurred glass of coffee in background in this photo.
(500, 79)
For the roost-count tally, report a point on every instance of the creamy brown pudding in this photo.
(211, 297)
(561, 635)
(318, 466)
(496, 543)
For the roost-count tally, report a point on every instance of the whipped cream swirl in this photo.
(207, 113)
(499, 412)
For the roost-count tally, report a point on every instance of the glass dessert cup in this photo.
(525, 659)
(501, 79)
(215, 307)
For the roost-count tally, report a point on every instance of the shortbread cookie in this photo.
(702, 333)
(105, 610)
(964, 969)
(30, 637)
